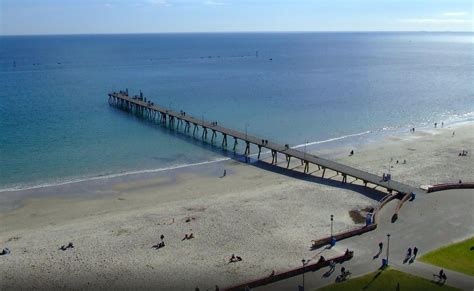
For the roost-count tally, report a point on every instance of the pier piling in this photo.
(140, 106)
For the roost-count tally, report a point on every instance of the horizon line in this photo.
(236, 32)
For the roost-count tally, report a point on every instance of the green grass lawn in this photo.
(457, 257)
(387, 280)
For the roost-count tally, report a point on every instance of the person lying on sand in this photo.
(190, 236)
(68, 246)
(159, 245)
(4, 252)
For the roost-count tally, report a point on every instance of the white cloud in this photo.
(436, 20)
(454, 14)
(210, 2)
(159, 2)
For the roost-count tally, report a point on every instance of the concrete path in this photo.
(431, 221)
(455, 279)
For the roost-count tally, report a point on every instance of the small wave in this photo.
(109, 176)
(331, 139)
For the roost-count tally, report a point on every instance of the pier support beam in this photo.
(224, 141)
(344, 178)
(195, 128)
(306, 166)
(235, 143)
(324, 171)
(259, 151)
(288, 159)
(213, 135)
(204, 133)
(163, 118)
(187, 126)
(247, 151)
(274, 157)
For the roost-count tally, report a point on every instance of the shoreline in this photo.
(373, 136)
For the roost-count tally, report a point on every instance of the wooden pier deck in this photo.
(140, 106)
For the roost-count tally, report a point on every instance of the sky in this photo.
(31, 17)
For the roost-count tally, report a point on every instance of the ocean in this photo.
(56, 125)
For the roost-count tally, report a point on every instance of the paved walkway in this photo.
(455, 279)
(431, 221)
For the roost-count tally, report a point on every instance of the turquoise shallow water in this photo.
(56, 125)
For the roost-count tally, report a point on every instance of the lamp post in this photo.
(305, 143)
(332, 219)
(389, 172)
(303, 261)
(388, 246)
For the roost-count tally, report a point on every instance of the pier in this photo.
(140, 106)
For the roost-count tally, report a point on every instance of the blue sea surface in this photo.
(56, 124)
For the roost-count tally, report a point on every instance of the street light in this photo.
(332, 219)
(388, 245)
(305, 143)
(303, 261)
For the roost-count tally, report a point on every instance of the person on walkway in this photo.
(415, 252)
(409, 253)
(442, 276)
(380, 246)
(332, 266)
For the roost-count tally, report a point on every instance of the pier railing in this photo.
(140, 106)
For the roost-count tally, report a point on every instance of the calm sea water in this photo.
(56, 125)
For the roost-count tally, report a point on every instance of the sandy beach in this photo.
(268, 217)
